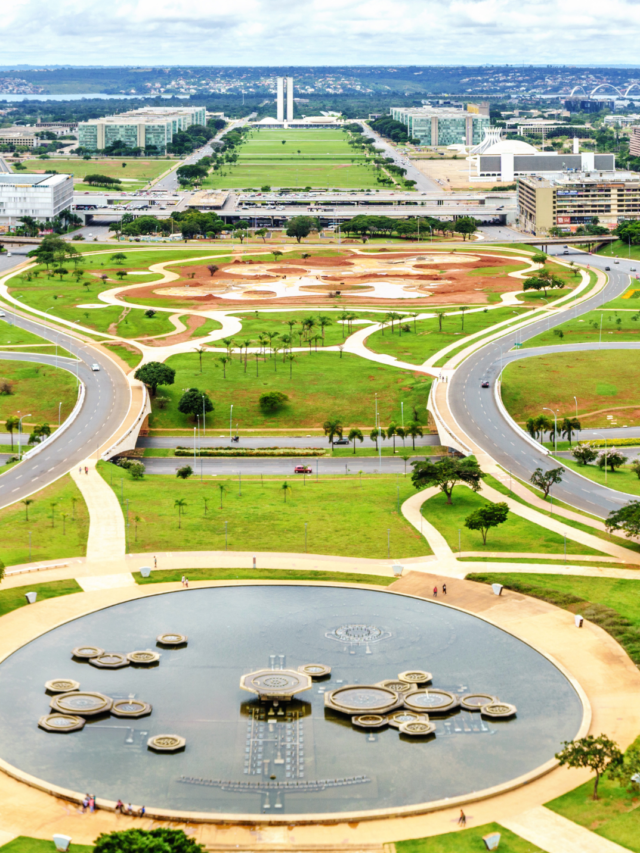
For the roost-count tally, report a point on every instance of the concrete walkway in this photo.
(556, 834)
(106, 522)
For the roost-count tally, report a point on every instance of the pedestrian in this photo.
(142, 811)
(155, 562)
(183, 579)
(119, 806)
(186, 582)
(444, 589)
(92, 804)
(435, 592)
(130, 809)
(462, 820)
(80, 470)
(85, 803)
(86, 470)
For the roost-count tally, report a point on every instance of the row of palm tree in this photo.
(536, 427)
(333, 428)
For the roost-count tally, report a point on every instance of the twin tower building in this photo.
(285, 87)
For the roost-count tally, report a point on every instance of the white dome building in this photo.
(510, 146)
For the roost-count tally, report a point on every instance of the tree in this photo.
(224, 360)
(414, 430)
(584, 453)
(213, 268)
(392, 431)
(446, 474)
(262, 232)
(11, 424)
(628, 771)
(539, 258)
(597, 754)
(355, 434)
(194, 402)
(27, 503)
(185, 472)
(223, 488)
(490, 515)
(161, 840)
(543, 280)
(119, 258)
(285, 488)
(612, 459)
(180, 504)
(466, 225)
(39, 433)
(137, 469)
(627, 519)
(376, 433)
(569, 426)
(272, 401)
(545, 479)
(300, 226)
(635, 467)
(333, 427)
(154, 373)
(276, 254)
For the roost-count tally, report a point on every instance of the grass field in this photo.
(13, 598)
(319, 385)
(13, 336)
(173, 576)
(599, 380)
(135, 175)
(416, 347)
(315, 158)
(25, 844)
(516, 534)
(131, 358)
(616, 326)
(334, 335)
(51, 537)
(345, 516)
(37, 390)
(620, 249)
(627, 301)
(462, 841)
(622, 479)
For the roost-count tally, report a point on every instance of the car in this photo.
(341, 441)
(302, 469)
(566, 252)
(607, 269)
(633, 269)
(485, 383)
(616, 261)
(2, 314)
(95, 367)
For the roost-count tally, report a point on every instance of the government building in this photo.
(148, 127)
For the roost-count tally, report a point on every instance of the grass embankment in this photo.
(424, 338)
(344, 516)
(622, 479)
(171, 576)
(135, 174)
(52, 536)
(319, 385)
(335, 333)
(619, 249)
(316, 158)
(616, 326)
(36, 389)
(602, 381)
(611, 603)
(615, 815)
(13, 598)
(516, 534)
(14, 337)
(462, 841)
(131, 358)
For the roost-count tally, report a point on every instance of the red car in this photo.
(302, 469)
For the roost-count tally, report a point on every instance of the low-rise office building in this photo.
(42, 197)
(569, 201)
(439, 126)
(152, 127)
(18, 137)
(509, 159)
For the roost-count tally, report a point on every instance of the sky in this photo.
(318, 32)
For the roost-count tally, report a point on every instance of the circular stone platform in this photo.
(236, 744)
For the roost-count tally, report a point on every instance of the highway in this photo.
(105, 407)
(253, 467)
(476, 411)
(270, 441)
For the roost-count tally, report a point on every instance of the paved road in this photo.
(218, 440)
(476, 410)
(105, 407)
(279, 467)
(423, 183)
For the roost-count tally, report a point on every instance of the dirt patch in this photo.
(193, 322)
(329, 288)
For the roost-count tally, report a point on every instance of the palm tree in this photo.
(54, 504)
(343, 317)
(323, 322)
(401, 433)
(206, 501)
(200, 351)
(228, 342)
(180, 504)
(246, 344)
(406, 457)
(375, 434)
(263, 340)
(74, 501)
(136, 521)
(291, 359)
(291, 324)
(392, 431)
(414, 429)
(569, 426)
(11, 424)
(332, 427)
(224, 361)
(285, 488)
(223, 489)
(462, 309)
(27, 503)
(355, 433)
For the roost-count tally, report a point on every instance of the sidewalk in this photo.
(556, 834)
(106, 522)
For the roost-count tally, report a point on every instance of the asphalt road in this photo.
(270, 441)
(278, 467)
(105, 407)
(476, 411)
(423, 183)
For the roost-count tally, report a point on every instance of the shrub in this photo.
(184, 473)
(150, 312)
(272, 401)
(136, 469)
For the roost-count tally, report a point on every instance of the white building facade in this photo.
(284, 86)
(41, 196)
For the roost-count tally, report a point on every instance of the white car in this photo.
(2, 314)
(95, 367)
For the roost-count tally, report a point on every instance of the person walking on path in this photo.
(142, 811)
(462, 820)
(155, 562)
(119, 806)
(435, 592)
(444, 589)
(183, 580)
(186, 582)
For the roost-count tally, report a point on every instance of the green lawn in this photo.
(323, 385)
(13, 598)
(616, 326)
(619, 249)
(171, 576)
(516, 534)
(463, 841)
(142, 170)
(612, 603)
(52, 536)
(267, 321)
(37, 390)
(131, 358)
(416, 347)
(13, 336)
(615, 815)
(622, 479)
(345, 516)
(24, 844)
(599, 380)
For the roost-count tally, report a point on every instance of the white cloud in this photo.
(313, 32)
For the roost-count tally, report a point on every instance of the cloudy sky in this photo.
(314, 32)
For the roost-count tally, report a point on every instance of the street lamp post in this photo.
(230, 421)
(20, 435)
(59, 409)
(576, 399)
(555, 428)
